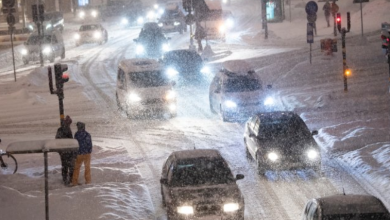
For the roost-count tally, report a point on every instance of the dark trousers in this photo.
(67, 161)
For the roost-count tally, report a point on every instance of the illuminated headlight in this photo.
(48, 26)
(82, 14)
(172, 107)
(140, 20)
(160, 24)
(230, 22)
(230, 104)
(30, 27)
(24, 51)
(46, 50)
(94, 13)
(155, 6)
(312, 154)
(134, 97)
(272, 156)
(77, 36)
(176, 23)
(150, 15)
(165, 47)
(97, 35)
(171, 95)
(269, 101)
(205, 70)
(140, 49)
(222, 29)
(186, 210)
(224, 1)
(161, 11)
(231, 207)
(172, 72)
(124, 21)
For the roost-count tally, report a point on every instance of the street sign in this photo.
(311, 8)
(360, 1)
(11, 19)
(8, 3)
(310, 36)
(312, 18)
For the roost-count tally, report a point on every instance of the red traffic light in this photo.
(338, 19)
(65, 77)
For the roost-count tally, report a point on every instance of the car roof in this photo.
(239, 67)
(139, 65)
(276, 115)
(341, 204)
(197, 153)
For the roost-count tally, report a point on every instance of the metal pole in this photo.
(290, 8)
(344, 50)
(40, 42)
(388, 61)
(334, 25)
(13, 53)
(310, 53)
(265, 27)
(46, 186)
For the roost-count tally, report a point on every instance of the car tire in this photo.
(118, 102)
(211, 107)
(25, 61)
(63, 53)
(162, 198)
(260, 170)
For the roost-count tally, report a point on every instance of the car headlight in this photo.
(94, 13)
(186, 210)
(97, 35)
(140, 49)
(172, 72)
(222, 29)
(77, 36)
(205, 70)
(273, 156)
(165, 47)
(30, 27)
(46, 50)
(230, 104)
(82, 14)
(312, 154)
(48, 26)
(134, 97)
(124, 21)
(171, 95)
(161, 11)
(140, 20)
(151, 15)
(176, 23)
(231, 207)
(269, 101)
(172, 107)
(229, 22)
(160, 24)
(24, 51)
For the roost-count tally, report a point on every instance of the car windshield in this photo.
(241, 84)
(170, 14)
(34, 40)
(89, 27)
(201, 171)
(271, 128)
(365, 216)
(148, 79)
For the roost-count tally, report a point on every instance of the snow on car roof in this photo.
(40, 146)
(139, 65)
(276, 114)
(339, 204)
(184, 154)
(239, 67)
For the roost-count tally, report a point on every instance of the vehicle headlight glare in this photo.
(230, 104)
(140, 49)
(176, 23)
(46, 50)
(134, 97)
(231, 207)
(165, 47)
(186, 210)
(312, 154)
(77, 36)
(24, 51)
(48, 26)
(94, 14)
(160, 24)
(140, 20)
(150, 15)
(172, 72)
(170, 95)
(222, 29)
(125, 21)
(229, 22)
(205, 70)
(273, 156)
(97, 35)
(172, 107)
(269, 101)
(82, 14)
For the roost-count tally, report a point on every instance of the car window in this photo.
(201, 171)
(148, 79)
(256, 127)
(241, 84)
(285, 126)
(166, 166)
(306, 211)
(121, 79)
(313, 214)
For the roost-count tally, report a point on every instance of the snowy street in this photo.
(128, 154)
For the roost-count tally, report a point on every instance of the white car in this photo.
(91, 33)
(143, 87)
(348, 207)
(198, 184)
(237, 91)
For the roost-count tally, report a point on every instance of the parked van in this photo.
(143, 87)
(348, 207)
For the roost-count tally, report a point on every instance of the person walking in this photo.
(84, 154)
(327, 9)
(67, 157)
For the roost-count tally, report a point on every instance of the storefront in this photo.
(274, 9)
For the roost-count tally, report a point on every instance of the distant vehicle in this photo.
(185, 65)
(281, 140)
(143, 88)
(52, 46)
(91, 33)
(122, 8)
(198, 184)
(236, 91)
(348, 207)
(54, 20)
(173, 19)
(151, 41)
(89, 12)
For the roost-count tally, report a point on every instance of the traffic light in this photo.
(41, 11)
(34, 9)
(61, 77)
(348, 21)
(347, 72)
(338, 21)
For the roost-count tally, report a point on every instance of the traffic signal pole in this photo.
(60, 79)
(343, 31)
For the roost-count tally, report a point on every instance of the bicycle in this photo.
(8, 163)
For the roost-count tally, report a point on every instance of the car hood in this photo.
(213, 194)
(245, 98)
(152, 92)
(288, 145)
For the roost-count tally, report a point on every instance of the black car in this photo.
(184, 65)
(151, 41)
(198, 184)
(281, 140)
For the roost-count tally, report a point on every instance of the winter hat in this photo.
(68, 120)
(80, 126)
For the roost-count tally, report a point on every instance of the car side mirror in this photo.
(135, 40)
(239, 176)
(315, 132)
(164, 181)
(269, 86)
